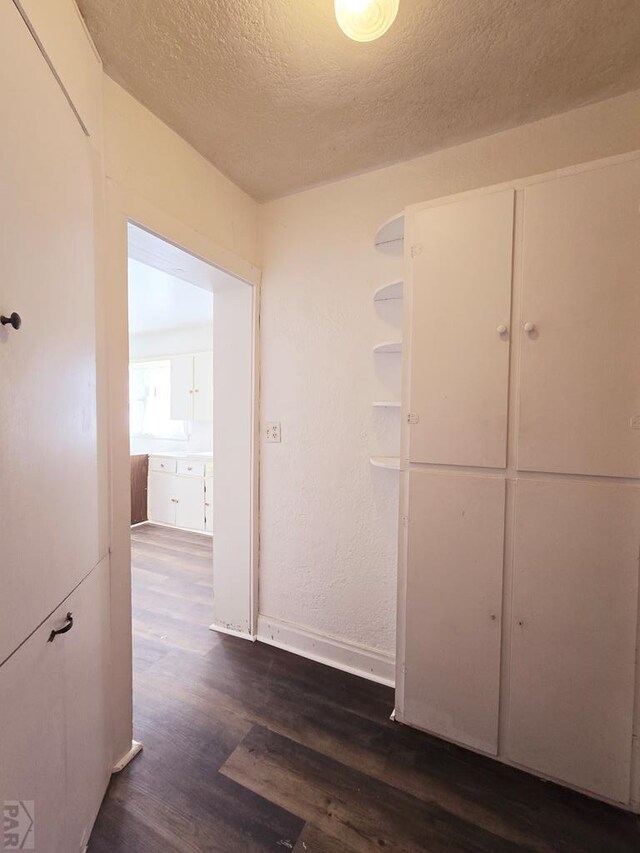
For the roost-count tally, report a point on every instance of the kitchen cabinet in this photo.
(189, 492)
(177, 491)
(162, 499)
(208, 504)
(192, 387)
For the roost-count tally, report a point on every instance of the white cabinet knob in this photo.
(529, 327)
(502, 329)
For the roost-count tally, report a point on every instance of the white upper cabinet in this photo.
(460, 273)
(203, 386)
(580, 363)
(48, 442)
(182, 388)
(575, 594)
(454, 606)
(192, 387)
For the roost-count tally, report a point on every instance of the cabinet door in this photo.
(579, 391)
(33, 736)
(182, 388)
(47, 368)
(454, 606)
(461, 299)
(574, 632)
(86, 656)
(190, 506)
(162, 497)
(203, 386)
(208, 504)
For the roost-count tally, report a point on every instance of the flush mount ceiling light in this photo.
(365, 20)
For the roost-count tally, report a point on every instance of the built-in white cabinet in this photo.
(55, 740)
(523, 310)
(54, 704)
(192, 387)
(580, 346)
(574, 629)
(48, 440)
(460, 331)
(454, 604)
(177, 493)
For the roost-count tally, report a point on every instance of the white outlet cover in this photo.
(273, 432)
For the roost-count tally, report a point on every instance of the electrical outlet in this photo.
(635, 422)
(273, 432)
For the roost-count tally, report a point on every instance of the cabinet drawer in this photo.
(191, 469)
(160, 463)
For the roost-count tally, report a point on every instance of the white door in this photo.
(162, 497)
(461, 306)
(33, 735)
(87, 695)
(48, 499)
(208, 504)
(575, 598)
(453, 606)
(203, 386)
(580, 365)
(182, 388)
(189, 492)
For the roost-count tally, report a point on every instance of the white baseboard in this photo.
(349, 657)
(232, 633)
(128, 756)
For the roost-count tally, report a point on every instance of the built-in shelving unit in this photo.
(393, 290)
(389, 240)
(391, 231)
(388, 346)
(391, 463)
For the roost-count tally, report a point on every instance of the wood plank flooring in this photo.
(249, 748)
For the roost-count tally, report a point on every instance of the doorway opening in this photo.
(191, 437)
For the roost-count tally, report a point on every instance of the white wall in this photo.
(328, 520)
(174, 342)
(147, 159)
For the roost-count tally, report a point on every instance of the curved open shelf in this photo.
(387, 404)
(388, 346)
(391, 463)
(393, 290)
(390, 231)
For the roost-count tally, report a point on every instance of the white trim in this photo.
(232, 633)
(136, 747)
(121, 209)
(359, 660)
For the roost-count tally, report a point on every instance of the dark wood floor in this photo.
(248, 748)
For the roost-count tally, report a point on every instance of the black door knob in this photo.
(14, 320)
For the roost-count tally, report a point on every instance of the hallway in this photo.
(248, 748)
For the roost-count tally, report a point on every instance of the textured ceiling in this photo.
(274, 94)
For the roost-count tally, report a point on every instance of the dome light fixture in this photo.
(365, 20)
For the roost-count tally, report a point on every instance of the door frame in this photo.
(122, 208)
